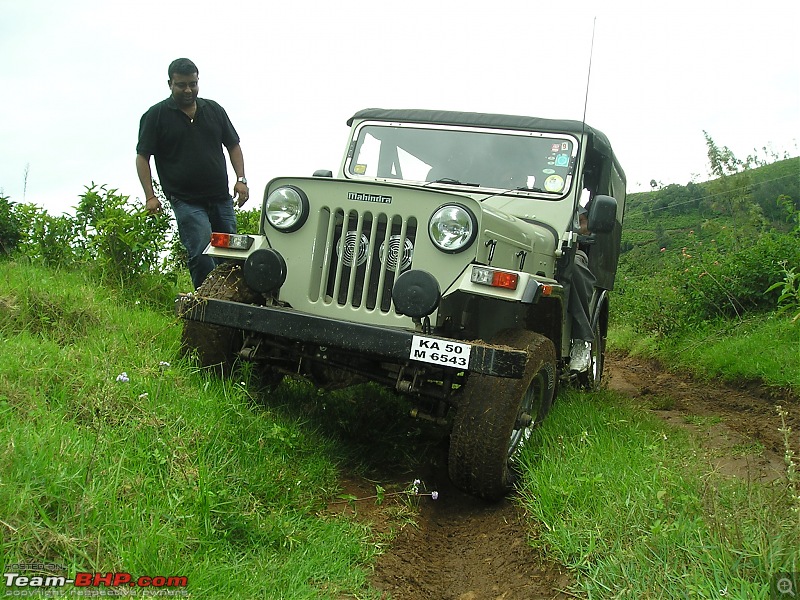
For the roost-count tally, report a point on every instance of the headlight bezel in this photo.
(471, 237)
(301, 217)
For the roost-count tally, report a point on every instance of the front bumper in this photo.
(393, 345)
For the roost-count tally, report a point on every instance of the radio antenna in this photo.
(585, 104)
(589, 74)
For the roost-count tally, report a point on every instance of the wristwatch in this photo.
(242, 180)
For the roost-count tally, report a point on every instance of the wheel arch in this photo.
(600, 309)
(546, 317)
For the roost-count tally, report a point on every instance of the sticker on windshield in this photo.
(360, 169)
(554, 183)
(548, 171)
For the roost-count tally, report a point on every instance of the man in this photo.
(580, 281)
(185, 134)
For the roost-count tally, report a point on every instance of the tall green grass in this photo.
(623, 501)
(762, 349)
(162, 471)
(172, 472)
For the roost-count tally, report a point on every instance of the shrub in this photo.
(10, 232)
(45, 238)
(248, 220)
(121, 239)
(703, 282)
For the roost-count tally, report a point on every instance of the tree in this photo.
(731, 191)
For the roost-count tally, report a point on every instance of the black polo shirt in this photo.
(188, 152)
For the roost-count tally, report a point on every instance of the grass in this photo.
(619, 499)
(764, 349)
(168, 471)
(162, 472)
(703, 421)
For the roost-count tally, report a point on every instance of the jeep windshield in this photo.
(525, 162)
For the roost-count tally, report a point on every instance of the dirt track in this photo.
(464, 549)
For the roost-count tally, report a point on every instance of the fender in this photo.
(599, 299)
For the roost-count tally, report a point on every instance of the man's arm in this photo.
(240, 190)
(152, 204)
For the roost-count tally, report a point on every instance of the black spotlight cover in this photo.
(265, 270)
(416, 293)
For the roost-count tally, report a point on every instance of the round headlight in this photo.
(286, 208)
(453, 228)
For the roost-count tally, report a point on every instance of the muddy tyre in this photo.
(216, 346)
(495, 416)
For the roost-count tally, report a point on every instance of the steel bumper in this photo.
(393, 345)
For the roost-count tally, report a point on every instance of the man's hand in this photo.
(584, 224)
(241, 193)
(153, 205)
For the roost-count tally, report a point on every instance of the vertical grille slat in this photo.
(382, 277)
(365, 252)
(337, 261)
(351, 286)
(400, 245)
(329, 253)
(370, 257)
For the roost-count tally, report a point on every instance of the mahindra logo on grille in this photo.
(376, 198)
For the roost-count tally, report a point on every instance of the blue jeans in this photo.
(195, 224)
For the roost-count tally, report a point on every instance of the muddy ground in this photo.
(464, 549)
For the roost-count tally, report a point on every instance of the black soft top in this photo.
(598, 140)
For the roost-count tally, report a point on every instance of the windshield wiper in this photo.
(452, 181)
(523, 188)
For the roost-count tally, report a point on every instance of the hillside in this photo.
(677, 215)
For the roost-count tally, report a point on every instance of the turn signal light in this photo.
(231, 240)
(494, 278)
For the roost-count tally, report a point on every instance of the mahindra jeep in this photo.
(435, 263)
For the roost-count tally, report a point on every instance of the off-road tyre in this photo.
(486, 435)
(216, 346)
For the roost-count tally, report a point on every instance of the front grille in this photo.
(364, 253)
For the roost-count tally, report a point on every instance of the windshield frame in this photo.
(567, 172)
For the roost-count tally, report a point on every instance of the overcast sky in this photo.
(77, 75)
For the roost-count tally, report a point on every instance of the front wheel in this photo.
(216, 346)
(495, 417)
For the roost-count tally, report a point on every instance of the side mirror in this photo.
(323, 173)
(602, 214)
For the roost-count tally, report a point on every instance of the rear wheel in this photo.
(496, 415)
(216, 346)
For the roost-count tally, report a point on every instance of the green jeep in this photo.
(432, 263)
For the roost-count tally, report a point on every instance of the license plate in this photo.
(440, 352)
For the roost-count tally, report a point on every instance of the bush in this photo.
(704, 282)
(789, 288)
(44, 238)
(248, 221)
(10, 230)
(109, 236)
(120, 239)
(729, 283)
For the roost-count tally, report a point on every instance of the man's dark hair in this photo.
(182, 66)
